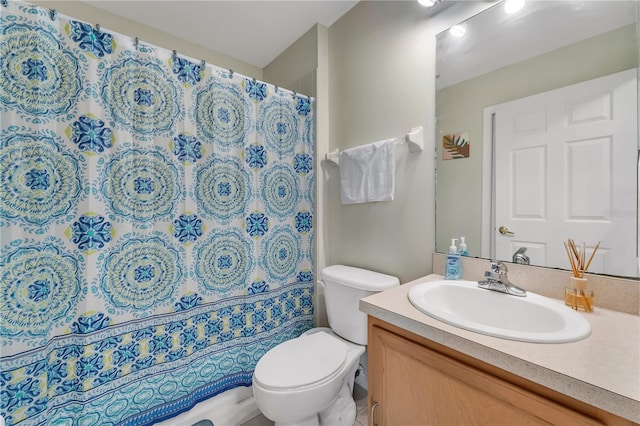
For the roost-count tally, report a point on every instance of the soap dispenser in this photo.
(453, 264)
(463, 248)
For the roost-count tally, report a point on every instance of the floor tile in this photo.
(361, 419)
(259, 420)
(360, 396)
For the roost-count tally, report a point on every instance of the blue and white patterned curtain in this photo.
(156, 224)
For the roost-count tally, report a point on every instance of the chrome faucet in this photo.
(520, 256)
(496, 280)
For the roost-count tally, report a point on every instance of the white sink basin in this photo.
(533, 318)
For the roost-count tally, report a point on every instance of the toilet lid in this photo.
(301, 362)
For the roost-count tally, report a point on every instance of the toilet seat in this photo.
(303, 362)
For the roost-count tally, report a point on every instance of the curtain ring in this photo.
(295, 94)
(203, 63)
(276, 89)
(230, 73)
(52, 14)
(174, 55)
(136, 41)
(97, 29)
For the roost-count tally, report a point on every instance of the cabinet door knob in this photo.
(373, 411)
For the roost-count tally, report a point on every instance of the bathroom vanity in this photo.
(425, 372)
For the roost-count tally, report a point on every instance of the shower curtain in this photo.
(156, 224)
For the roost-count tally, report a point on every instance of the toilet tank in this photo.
(344, 286)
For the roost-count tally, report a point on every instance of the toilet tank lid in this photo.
(362, 279)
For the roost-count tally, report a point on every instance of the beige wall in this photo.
(109, 21)
(382, 73)
(460, 108)
(295, 67)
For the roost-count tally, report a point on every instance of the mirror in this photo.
(507, 92)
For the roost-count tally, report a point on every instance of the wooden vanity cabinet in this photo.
(415, 381)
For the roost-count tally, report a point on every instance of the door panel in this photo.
(529, 185)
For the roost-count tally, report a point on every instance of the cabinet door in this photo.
(415, 385)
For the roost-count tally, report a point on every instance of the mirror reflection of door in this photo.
(581, 139)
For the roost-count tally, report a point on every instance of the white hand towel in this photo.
(368, 173)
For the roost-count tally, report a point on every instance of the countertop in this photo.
(602, 370)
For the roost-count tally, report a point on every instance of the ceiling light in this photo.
(427, 3)
(512, 6)
(458, 30)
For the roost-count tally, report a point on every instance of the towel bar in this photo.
(414, 139)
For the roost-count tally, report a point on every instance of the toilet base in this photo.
(342, 411)
(309, 421)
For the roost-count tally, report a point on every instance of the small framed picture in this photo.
(455, 145)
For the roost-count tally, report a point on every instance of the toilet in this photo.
(309, 380)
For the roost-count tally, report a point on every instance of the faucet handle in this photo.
(498, 271)
(498, 267)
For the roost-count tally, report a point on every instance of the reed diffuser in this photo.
(577, 295)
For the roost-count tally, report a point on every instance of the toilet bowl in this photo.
(309, 380)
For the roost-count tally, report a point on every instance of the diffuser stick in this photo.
(573, 266)
(595, 249)
(586, 300)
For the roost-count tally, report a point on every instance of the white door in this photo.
(566, 168)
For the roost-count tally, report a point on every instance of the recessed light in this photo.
(458, 30)
(427, 3)
(512, 6)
